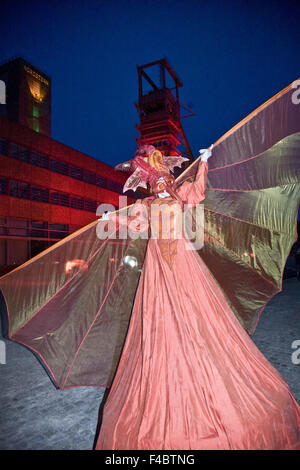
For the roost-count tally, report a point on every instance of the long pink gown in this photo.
(190, 377)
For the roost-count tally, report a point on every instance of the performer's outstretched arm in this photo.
(194, 193)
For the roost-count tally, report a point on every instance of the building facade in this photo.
(47, 189)
(28, 95)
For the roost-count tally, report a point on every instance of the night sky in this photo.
(231, 56)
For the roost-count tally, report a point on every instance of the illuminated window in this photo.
(35, 88)
(35, 111)
(36, 127)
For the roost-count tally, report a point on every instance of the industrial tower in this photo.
(159, 109)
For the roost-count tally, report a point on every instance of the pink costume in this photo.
(189, 376)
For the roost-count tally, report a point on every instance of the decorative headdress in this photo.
(148, 165)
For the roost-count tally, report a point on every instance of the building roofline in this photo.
(25, 61)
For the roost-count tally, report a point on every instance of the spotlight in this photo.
(130, 261)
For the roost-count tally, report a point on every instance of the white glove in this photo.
(206, 153)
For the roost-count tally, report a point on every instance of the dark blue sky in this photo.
(231, 56)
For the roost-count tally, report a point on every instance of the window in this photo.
(39, 229)
(3, 147)
(19, 153)
(76, 172)
(3, 226)
(61, 199)
(58, 230)
(3, 186)
(59, 167)
(101, 181)
(62, 227)
(19, 189)
(24, 154)
(64, 200)
(14, 188)
(24, 190)
(77, 202)
(40, 160)
(39, 194)
(89, 177)
(54, 197)
(35, 111)
(90, 205)
(14, 150)
(113, 186)
(17, 227)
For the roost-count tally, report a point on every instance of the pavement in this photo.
(34, 415)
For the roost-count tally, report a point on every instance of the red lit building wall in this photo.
(47, 191)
